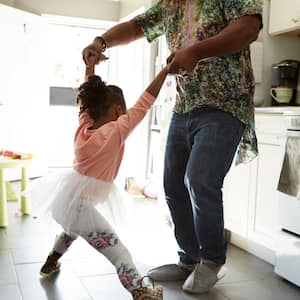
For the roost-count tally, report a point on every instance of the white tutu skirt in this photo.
(75, 201)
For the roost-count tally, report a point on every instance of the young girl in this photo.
(104, 125)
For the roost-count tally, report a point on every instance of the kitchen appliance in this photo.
(287, 263)
(285, 78)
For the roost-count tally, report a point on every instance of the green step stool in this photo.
(10, 193)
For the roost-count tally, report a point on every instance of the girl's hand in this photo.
(94, 51)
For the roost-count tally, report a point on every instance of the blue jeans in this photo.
(200, 148)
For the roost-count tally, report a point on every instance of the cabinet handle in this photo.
(296, 20)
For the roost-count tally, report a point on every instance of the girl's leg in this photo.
(61, 245)
(63, 242)
(105, 240)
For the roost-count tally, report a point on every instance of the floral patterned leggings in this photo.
(107, 243)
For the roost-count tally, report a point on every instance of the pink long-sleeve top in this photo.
(99, 152)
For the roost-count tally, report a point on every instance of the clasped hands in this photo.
(180, 61)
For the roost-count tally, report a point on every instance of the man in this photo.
(213, 117)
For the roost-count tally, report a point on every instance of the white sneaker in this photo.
(202, 279)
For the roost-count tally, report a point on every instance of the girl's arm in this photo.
(135, 115)
(90, 68)
(89, 71)
(155, 86)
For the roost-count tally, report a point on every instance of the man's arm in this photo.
(120, 34)
(123, 34)
(234, 37)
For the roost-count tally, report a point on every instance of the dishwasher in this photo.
(287, 262)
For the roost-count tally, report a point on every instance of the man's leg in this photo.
(178, 200)
(215, 136)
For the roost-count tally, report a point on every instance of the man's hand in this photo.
(94, 50)
(182, 60)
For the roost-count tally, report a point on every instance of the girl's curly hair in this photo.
(95, 97)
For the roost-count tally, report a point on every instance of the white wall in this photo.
(129, 6)
(8, 2)
(94, 9)
(275, 49)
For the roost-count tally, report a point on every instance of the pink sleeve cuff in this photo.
(148, 96)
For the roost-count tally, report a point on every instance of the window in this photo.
(66, 39)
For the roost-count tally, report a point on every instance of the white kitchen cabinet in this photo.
(263, 206)
(24, 86)
(23, 58)
(11, 58)
(236, 194)
(250, 191)
(285, 17)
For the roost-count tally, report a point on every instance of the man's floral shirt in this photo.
(224, 82)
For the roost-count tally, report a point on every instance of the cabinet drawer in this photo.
(271, 139)
(270, 124)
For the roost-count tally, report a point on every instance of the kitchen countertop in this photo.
(277, 109)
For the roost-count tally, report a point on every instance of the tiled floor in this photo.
(84, 275)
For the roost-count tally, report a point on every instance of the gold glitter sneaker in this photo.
(51, 265)
(148, 292)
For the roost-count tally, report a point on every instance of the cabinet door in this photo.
(11, 62)
(23, 58)
(236, 198)
(24, 86)
(263, 210)
(284, 17)
(11, 53)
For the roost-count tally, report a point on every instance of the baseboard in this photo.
(254, 248)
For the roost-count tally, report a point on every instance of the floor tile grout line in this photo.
(16, 274)
(28, 263)
(85, 287)
(242, 281)
(226, 297)
(245, 280)
(95, 275)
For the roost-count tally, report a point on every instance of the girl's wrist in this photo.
(165, 70)
(89, 71)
